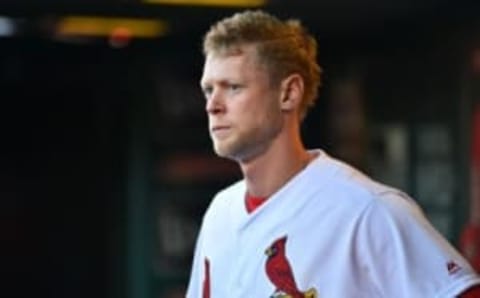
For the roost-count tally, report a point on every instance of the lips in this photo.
(219, 127)
(219, 130)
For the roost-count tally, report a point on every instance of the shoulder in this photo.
(225, 198)
(229, 193)
(349, 183)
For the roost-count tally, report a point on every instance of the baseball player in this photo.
(301, 223)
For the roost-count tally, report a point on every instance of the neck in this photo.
(268, 172)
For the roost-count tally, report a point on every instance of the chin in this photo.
(235, 155)
(227, 152)
(222, 151)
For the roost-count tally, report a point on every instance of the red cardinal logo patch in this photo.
(280, 273)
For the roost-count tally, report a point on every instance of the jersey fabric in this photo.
(328, 232)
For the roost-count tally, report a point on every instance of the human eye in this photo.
(234, 87)
(207, 91)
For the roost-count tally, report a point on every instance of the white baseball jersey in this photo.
(328, 232)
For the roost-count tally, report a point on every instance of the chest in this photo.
(268, 258)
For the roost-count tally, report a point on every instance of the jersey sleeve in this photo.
(404, 256)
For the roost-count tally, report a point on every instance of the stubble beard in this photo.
(245, 147)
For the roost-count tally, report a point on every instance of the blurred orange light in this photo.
(120, 37)
(103, 26)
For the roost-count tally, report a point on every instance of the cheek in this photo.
(256, 109)
(271, 111)
(255, 115)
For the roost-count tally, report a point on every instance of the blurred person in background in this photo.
(301, 223)
(470, 240)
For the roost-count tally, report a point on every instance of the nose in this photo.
(214, 104)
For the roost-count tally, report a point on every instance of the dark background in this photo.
(86, 127)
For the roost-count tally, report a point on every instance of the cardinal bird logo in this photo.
(280, 273)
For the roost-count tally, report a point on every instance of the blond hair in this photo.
(285, 47)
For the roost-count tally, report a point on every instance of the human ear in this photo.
(291, 92)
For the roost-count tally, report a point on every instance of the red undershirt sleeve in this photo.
(473, 292)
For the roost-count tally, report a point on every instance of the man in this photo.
(300, 223)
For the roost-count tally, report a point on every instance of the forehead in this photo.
(239, 62)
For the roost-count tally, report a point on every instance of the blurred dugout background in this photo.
(106, 166)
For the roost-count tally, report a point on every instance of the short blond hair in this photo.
(285, 47)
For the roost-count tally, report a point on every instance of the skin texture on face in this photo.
(243, 107)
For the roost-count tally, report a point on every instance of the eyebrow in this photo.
(222, 82)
